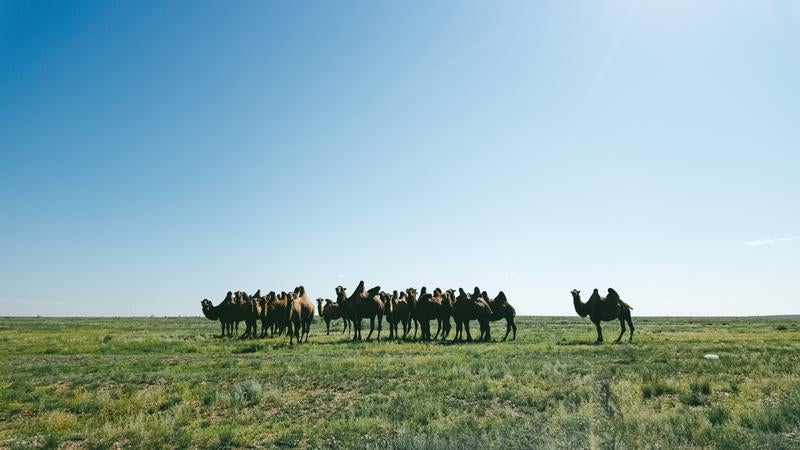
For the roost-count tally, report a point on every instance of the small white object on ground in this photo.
(711, 357)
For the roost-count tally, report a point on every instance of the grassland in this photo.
(168, 382)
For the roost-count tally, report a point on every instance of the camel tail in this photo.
(626, 305)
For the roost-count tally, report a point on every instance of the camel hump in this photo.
(501, 298)
(374, 291)
(360, 287)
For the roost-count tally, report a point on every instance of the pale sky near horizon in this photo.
(156, 153)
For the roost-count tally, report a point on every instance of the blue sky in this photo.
(157, 153)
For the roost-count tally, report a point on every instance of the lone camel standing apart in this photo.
(604, 309)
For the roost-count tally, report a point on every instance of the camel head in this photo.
(581, 308)
(341, 294)
(208, 310)
(319, 306)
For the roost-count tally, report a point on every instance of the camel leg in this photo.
(599, 333)
(380, 325)
(514, 330)
(371, 327)
(308, 329)
(622, 325)
(508, 329)
(466, 328)
(416, 323)
(438, 329)
(630, 324)
(327, 326)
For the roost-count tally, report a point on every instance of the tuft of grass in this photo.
(657, 389)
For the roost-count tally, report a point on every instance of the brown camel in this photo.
(501, 309)
(397, 311)
(329, 312)
(277, 315)
(413, 303)
(361, 305)
(604, 309)
(445, 312)
(301, 314)
(468, 308)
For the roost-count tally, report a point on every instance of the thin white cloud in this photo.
(510, 274)
(769, 241)
(340, 276)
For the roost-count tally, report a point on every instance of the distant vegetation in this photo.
(153, 382)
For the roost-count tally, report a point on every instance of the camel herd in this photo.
(294, 312)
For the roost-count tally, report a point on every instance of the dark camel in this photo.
(501, 309)
(467, 308)
(363, 304)
(277, 315)
(604, 309)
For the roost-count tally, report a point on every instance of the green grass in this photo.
(168, 382)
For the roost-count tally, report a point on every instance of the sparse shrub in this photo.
(657, 389)
(718, 415)
(701, 388)
(694, 398)
(249, 391)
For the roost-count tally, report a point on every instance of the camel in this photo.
(330, 312)
(444, 302)
(397, 310)
(467, 308)
(361, 305)
(217, 313)
(604, 309)
(501, 309)
(341, 299)
(411, 299)
(277, 313)
(433, 307)
(301, 314)
(445, 312)
(242, 308)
